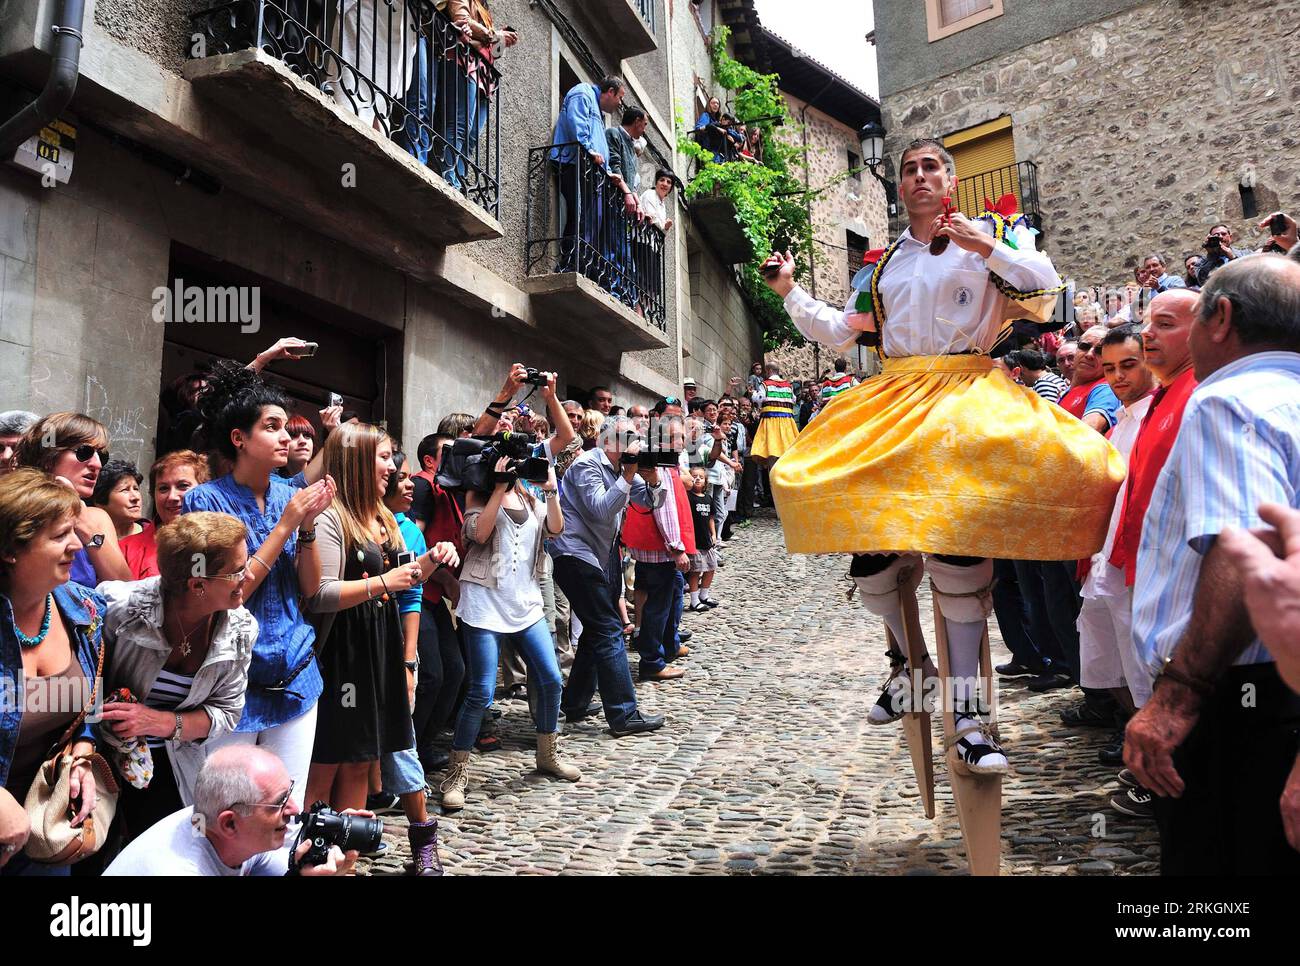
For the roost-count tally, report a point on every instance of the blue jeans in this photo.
(657, 640)
(416, 135)
(600, 657)
(1052, 604)
(1012, 611)
(401, 772)
(460, 125)
(535, 644)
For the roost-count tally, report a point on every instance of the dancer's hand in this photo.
(964, 233)
(782, 280)
(861, 321)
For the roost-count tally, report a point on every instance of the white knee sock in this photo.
(695, 598)
(964, 641)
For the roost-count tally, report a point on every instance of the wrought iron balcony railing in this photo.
(1020, 180)
(577, 221)
(647, 10)
(398, 65)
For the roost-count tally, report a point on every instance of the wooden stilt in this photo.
(978, 798)
(916, 724)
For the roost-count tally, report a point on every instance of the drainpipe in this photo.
(59, 86)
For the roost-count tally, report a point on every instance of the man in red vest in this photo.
(662, 542)
(1164, 338)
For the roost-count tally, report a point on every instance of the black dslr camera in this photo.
(323, 827)
(535, 377)
(470, 463)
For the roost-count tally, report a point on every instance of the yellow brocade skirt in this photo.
(945, 454)
(775, 435)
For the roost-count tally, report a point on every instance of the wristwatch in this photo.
(176, 735)
(95, 542)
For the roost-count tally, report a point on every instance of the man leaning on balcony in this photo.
(579, 148)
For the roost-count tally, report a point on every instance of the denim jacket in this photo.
(82, 611)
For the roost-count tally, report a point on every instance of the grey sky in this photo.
(831, 31)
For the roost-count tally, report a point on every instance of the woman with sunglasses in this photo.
(170, 478)
(181, 645)
(244, 421)
(73, 448)
(367, 657)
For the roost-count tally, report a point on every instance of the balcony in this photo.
(1020, 180)
(383, 97)
(591, 266)
(627, 26)
(715, 215)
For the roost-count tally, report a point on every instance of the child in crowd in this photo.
(705, 559)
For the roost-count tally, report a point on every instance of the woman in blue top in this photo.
(244, 420)
(51, 630)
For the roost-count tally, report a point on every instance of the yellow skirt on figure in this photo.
(945, 454)
(774, 436)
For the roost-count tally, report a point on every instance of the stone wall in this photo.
(719, 339)
(1141, 126)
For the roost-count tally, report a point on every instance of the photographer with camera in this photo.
(243, 804)
(1218, 252)
(597, 489)
(501, 600)
(544, 382)
(662, 543)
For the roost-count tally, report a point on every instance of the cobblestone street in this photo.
(767, 764)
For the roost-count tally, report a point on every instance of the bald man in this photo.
(243, 805)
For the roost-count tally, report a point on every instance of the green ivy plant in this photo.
(770, 199)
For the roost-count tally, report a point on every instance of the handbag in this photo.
(50, 811)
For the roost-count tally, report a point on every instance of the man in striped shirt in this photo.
(842, 381)
(1029, 368)
(1216, 743)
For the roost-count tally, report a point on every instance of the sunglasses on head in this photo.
(85, 451)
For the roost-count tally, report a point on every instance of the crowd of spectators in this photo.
(310, 612)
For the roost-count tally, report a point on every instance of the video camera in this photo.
(323, 827)
(470, 463)
(649, 456)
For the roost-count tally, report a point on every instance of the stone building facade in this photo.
(1144, 119)
(227, 170)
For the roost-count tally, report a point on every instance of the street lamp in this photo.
(872, 137)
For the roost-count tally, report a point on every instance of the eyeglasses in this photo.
(235, 578)
(279, 804)
(1090, 348)
(85, 451)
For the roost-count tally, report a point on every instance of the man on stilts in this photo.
(926, 466)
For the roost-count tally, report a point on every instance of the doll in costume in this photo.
(941, 462)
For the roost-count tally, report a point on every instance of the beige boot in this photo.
(453, 786)
(548, 758)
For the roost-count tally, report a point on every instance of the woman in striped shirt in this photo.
(181, 645)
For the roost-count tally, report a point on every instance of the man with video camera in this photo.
(243, 804)
(597, 489)
(1218, 252)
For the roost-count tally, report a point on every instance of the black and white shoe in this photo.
(1134, 802)
(889, 706)
(383, 803)
(977, 746)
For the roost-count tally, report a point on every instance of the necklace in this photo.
(26, 641)
(184, 646)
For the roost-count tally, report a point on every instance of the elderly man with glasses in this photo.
(243, 804)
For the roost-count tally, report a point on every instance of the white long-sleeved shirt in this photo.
(1103, 579)
(936, 304)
